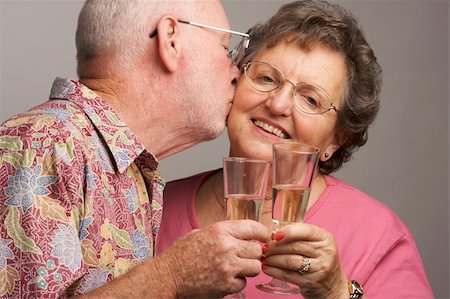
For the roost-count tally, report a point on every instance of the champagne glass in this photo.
(245, 184)
(293, 167)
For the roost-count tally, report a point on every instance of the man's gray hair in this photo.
(114, 27)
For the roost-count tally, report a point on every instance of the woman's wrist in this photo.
(340, 291)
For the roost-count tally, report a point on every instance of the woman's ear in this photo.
(168, 42)
(329, 150)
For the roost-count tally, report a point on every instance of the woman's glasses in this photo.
(307, 97)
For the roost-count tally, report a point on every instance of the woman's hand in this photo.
(298, 245)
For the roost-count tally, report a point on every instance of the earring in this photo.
(326, 155)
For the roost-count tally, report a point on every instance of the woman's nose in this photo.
(279, 101)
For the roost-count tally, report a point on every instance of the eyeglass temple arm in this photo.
(215, 28)
(155, 32)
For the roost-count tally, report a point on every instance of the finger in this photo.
(284, 275)
(248, 230)
(238, 284)
(306, 248)
(304, 239)
(290, 262)
(249, 249)
(301, 231)
(249, 267)
(295, 274)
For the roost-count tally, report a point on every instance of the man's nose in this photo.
(235, 74)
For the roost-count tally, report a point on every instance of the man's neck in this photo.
(149, 112)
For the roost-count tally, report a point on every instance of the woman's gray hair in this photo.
(319, 22)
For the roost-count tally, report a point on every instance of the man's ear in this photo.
(168, 42)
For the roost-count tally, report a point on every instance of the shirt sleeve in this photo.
(406, 275)
(40, 248)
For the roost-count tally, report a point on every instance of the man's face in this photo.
(212, 74)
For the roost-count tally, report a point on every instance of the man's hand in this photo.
(209, 262)
(214, 261)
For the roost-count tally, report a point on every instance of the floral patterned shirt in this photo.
(80, 197)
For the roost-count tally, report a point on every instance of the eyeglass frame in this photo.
(241, 47)
(250, 82)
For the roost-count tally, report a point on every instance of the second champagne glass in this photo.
(293, 168)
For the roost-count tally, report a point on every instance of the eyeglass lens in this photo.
(307, 97)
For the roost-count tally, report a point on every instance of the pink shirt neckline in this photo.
(192, 211)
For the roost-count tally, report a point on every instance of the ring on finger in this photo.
(304, 267)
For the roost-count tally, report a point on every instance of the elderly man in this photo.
(80, 194)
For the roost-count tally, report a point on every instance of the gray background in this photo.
(405, 164)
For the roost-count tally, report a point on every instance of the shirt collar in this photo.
(120, 140)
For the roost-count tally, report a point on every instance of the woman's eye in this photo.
(265, 79)
(308, 100)
(312, 101)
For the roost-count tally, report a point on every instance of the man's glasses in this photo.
(236, 53)
(307, 97)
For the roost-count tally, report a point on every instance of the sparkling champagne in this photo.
(243, 206)
(289, 204)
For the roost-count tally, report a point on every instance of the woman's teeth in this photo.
(270, 129)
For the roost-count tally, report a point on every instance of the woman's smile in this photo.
(272, 129)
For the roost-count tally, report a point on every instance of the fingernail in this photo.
(265, 247)
(278, 236)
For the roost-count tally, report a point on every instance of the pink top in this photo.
(375, 246)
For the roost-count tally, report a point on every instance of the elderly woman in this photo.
(310, 76)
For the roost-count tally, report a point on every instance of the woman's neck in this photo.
(210, 200)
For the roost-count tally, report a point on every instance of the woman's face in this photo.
(255, 114)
